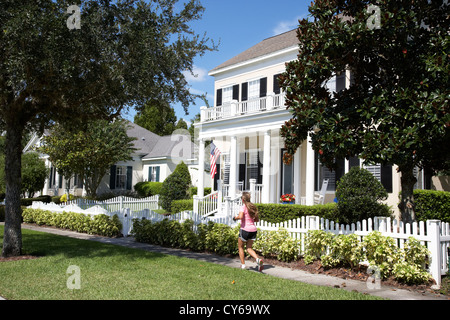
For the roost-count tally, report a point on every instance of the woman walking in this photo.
(248, 214)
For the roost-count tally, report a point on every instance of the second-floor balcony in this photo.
(237, 108)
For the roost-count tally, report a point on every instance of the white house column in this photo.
(48, 165)
(201, 168)
(233, 167)
(297, 177)
(309, 173)
(266, 168)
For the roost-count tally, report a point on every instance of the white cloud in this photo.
(199, 74)
(286, 25)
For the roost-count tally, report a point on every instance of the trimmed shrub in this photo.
(358, 193)
(432, 204)
(182, 205)
(193, 191)
(148, 188)
(175, 187)
(100, 224)
(282, 212)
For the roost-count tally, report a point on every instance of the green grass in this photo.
(115, 272)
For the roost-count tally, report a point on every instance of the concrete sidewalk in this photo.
(272, 270)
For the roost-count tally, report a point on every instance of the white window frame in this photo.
(121, 177)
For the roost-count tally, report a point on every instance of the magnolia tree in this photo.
(394, 108)
(66, 63)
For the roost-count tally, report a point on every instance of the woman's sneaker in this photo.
(260, 264)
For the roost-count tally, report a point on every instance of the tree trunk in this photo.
(407, 205)
(12, 241)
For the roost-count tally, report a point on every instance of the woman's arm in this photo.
(239, 216)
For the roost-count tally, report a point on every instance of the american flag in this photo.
(215, 153)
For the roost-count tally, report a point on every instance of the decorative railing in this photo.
(236, 108)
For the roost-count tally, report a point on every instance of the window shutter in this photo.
(112, 178)
(340, 82)
(244, 93)
(236, 92)
(157, 174)
(129, 177)
(353, 162)
(386, 177)
(276, 85)
(219, 97)
(262, 87)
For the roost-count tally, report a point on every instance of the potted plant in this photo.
(287, 198)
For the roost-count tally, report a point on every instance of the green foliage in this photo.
(157, 117)
(148, 188)
(182, 205)
(282, 212)
(64, 198)
(432, 204)
(358, 193)
(193, 191)
(90, 150)
(34, 173)
(175, 186)
(100, 224)
(406, 265)
(278, 244)
(395, 108)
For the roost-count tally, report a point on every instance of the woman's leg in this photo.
(241, 251)
(250, 249)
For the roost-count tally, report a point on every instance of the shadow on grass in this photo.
(42, 244)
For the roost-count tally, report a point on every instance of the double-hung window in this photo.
(153, 174)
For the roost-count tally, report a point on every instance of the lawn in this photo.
(115, 272)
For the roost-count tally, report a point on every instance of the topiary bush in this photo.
(148, 188)
(175, 187)
(358, 193)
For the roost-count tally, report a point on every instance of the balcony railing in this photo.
(236, 108)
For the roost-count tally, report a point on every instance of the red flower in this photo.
(405, 51)
(321, 152)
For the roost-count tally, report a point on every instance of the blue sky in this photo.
(238, 25)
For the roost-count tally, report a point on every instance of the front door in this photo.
(287, 176)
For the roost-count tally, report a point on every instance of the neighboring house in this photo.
(245, 125)
(154, 160)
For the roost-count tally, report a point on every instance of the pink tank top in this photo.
(247, 222)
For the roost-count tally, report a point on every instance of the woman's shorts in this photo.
(245, 235)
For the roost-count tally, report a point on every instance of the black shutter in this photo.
(112, 178)
(129, 177)
(276, 85)
(340, 170)
(236, 92)
(219, 97)
(340, 82)
(262, 87)
(244, 93)
(386, 177)
(353, 162)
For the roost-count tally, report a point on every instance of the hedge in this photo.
(182, 205)
(432, 204)
(100, 224)
(275, 213)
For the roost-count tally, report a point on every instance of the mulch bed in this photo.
(23, 257)
(350, 274)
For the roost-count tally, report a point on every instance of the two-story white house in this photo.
(245, 123)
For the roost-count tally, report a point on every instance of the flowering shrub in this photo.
(277, 243)
(288, 197)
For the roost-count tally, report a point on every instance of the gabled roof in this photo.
(173, 146)
(265, 47)
(146, 140)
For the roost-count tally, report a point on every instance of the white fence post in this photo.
(434, 247)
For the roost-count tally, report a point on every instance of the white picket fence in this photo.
(434, 234)
(118, 203)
